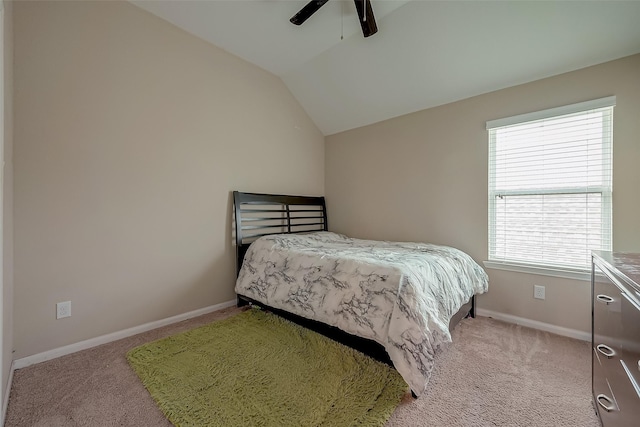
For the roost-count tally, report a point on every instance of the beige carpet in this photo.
(495, 374)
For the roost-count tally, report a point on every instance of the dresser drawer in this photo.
(603, 398)
(601, 387)
(615, 398)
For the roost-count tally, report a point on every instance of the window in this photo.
(550, 186)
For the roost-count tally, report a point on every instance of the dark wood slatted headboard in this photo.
(259, 215)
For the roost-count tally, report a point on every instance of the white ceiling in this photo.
(426, 53)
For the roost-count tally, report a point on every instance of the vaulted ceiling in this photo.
(425, 54)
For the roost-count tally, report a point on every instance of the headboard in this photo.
(259, 215)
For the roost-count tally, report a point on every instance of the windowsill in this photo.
(566, 273)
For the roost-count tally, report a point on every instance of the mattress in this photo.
(401, 295)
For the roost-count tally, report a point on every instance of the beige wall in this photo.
(130, 135)
(423, 177)
(7, 214)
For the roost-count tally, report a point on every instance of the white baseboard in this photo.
(7, 391)
(548, 327)
(104, 339)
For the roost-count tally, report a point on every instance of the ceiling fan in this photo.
(365, 15)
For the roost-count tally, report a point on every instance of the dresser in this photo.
(615, 295)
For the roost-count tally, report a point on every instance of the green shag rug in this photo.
(257, 369)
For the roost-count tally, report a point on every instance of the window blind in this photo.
(550, 185)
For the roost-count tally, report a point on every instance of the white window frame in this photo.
(606, 191)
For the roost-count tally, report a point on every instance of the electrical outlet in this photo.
(538, 292)
(63, 309)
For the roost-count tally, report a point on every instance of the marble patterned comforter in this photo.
(401, 295)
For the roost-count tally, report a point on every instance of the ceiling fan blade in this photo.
(306, 12)
(365, 15)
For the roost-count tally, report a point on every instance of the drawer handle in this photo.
(608, 403)
(606, 350)
(605, 299)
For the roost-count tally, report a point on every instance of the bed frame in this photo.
(259, 215)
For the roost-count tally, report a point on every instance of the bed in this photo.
(396, 301)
